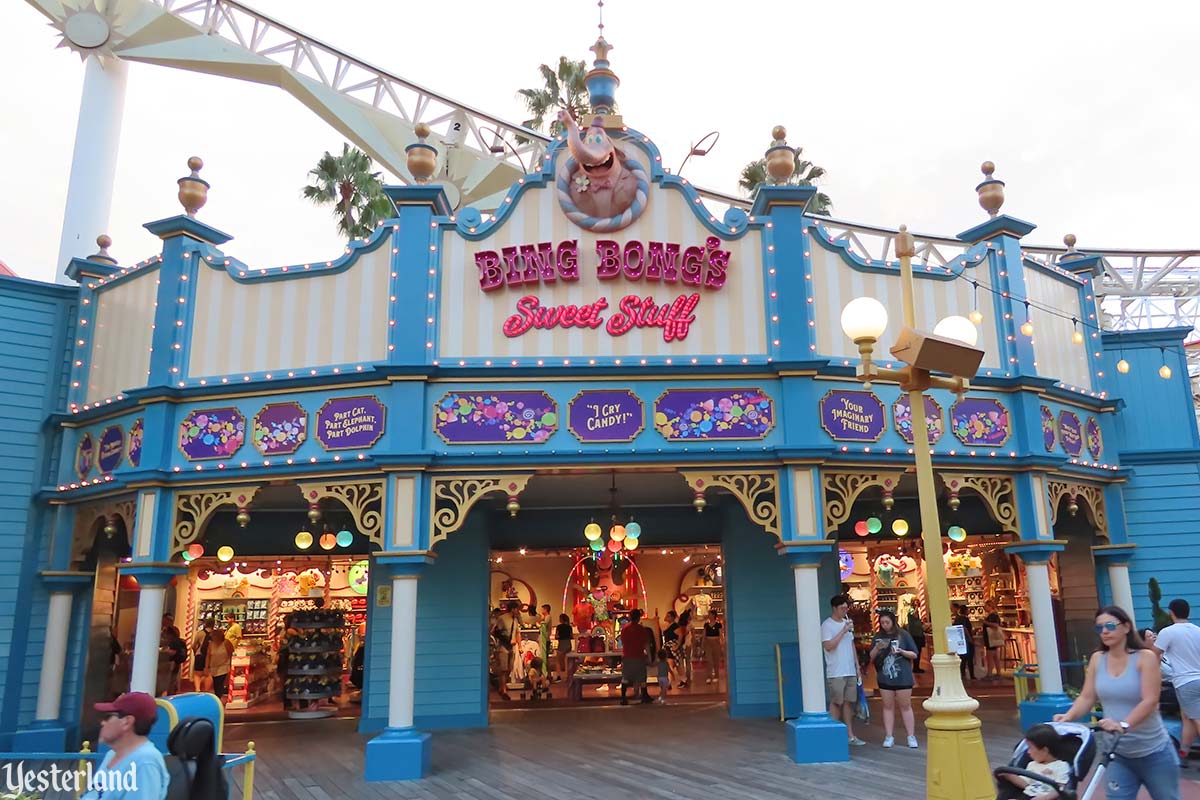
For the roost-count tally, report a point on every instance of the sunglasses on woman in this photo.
(1107, 626)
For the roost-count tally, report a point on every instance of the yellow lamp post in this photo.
(957, 767)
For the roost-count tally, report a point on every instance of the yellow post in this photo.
(957, 767)
(85, 750)
(248, 783)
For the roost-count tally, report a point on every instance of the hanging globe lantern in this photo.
(617, 533)
(874, 525)
(900, 527)
(860, 528)
(225, 553)
(314, 512)
(630, 543)
(187, 557)
(596, 545)
(195, 550)
(304, 540)
(345, 538)
(243, 517)
(592, 532)
(328, 541)
(614, 546)
(633, 530)
(957, 533)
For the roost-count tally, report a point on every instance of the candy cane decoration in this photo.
(189, 618)
(602, 224)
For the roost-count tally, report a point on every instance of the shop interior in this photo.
(883, 565)
(622, 543)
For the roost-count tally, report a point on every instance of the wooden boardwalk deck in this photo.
(692, 752)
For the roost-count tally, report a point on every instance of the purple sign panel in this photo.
(350, 423)
(212, 433)
(135, 442)
(1049, 429)
(112, 448)
(1070, 433)
(980, 421)
(495, 417)
(1095, 444)
(850, 416)
(728, 414)
(279, 429)
(606, 416)
(902, 414)
(85, 455)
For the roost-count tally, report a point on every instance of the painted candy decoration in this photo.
(358, 576)
(135, 442)
(614, 415)
(727, 414)
(495, 417)
(853, 416)
(1070, 433)
(212, 433)
(980, 421)
(85, 455)
(1049, 429)
(351, 423)
(279, 429)
(112, 448)
(1095, 444)
(934, 419)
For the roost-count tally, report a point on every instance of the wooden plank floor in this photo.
(676, 752)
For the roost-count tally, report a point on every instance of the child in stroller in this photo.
(1048, 763)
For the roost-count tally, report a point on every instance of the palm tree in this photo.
(755, 174)
(356, 194)
(563, 88)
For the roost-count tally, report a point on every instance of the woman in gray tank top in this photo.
(1124, 676)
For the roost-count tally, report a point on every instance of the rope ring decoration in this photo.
(602, 224)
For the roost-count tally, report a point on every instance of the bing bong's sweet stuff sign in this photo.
(681, 271)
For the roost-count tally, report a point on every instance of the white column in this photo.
(1050, 672)
(94, 162)
(812, 652)
(146, 639)
(404, 651)
(54, 657)
(1122, 592)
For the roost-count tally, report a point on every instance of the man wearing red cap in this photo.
(133, 769)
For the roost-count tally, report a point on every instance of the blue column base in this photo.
(1042, 708)
(398, 754)
(48, 736)
(817, 739)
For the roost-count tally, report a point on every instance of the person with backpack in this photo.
(200, 662)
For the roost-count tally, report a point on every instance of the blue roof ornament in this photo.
(601, 81)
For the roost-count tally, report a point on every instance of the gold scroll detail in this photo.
(841, 489)
(363, 499)
(454, 497)
(998, 492)
(756, 491)
(1093, 505)
(193, 511)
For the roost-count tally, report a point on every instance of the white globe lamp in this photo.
(958, 328)
(864, 319)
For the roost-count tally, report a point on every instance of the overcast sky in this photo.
(1090, 111)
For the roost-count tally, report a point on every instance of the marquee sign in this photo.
(606, 416)
(853, 416)
(112, 448)
(350, 423)
(667, 263)
(1070, 433)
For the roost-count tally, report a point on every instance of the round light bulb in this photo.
(617, 533)
(225, 553)
(900, 527)
(864, 318)
(976, 316)
(1164, 372)
(631, 544)
(632, 531)
(957, 533)
(304, 540)
(1077, 337)
(328, 541)
(596, 544)
(958, 328)
(1123, 366)
(592, 532)
(874, 525)
(860, 528)
(345, 538)
(1027, 328)
(195, 550)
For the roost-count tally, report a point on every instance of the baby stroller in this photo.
(1078, 749)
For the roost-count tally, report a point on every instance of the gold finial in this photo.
(1069, 240)
(422, 156)
(905, 246)
(193, 190)
(991, 191)
(781, 159)
(103, 241)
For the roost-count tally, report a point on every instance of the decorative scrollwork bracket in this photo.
(453, 498)
(756, 491)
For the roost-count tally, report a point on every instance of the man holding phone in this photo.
(841, 664)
